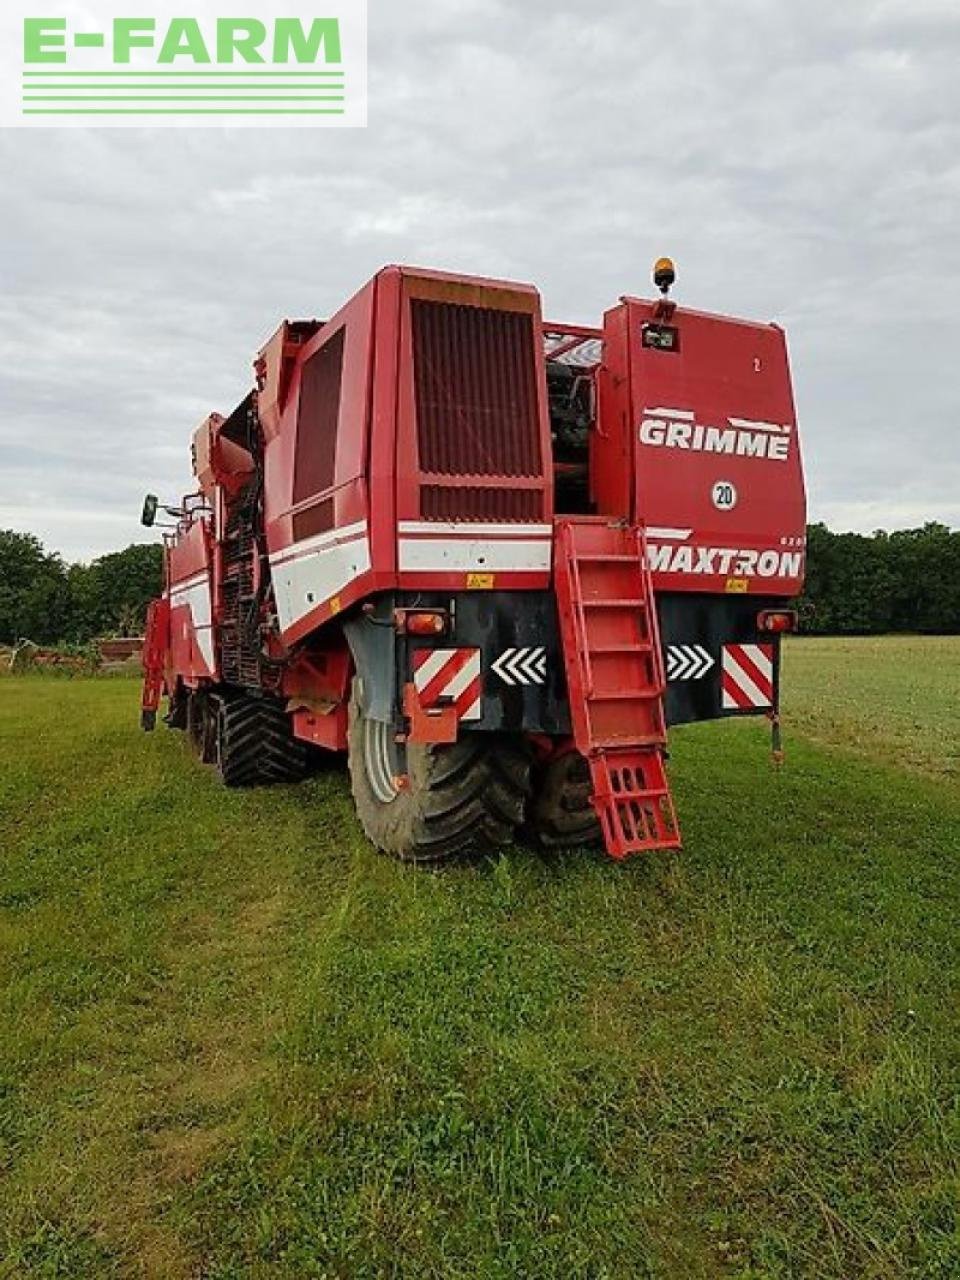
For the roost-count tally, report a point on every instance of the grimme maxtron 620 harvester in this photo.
(488, 557)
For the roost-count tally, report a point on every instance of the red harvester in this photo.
(490, 558)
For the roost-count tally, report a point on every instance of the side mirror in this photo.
(149, 513)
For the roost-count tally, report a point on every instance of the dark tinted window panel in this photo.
(317, 419)
(316, 519)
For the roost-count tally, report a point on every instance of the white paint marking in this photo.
(464, 677)
(474, 529)
(744, 683)
(430, 666)
(441, 555)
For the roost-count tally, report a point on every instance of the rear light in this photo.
(422, 622)
(777, 620)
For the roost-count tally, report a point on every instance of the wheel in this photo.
(237, 729)
(195, 722)
(201, 726)
(177, 705)
(561, 815)
(458, 799)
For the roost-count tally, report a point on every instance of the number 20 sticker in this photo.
(724, 495)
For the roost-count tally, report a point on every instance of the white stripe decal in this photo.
(744, 683)
(195, 594)
(759, 659)
(440, 555)
(675, 534)
(429, 667)
(318, 542)
(686, 414)
(465, 676)
(303, 582)
(746, 424)
(440, 668)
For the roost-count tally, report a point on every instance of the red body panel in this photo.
(408, 444)
(156, 653)
(190, 594)
(480, 542)
(700, 444)
(335, 546)
(318, 539)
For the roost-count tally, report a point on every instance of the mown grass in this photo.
(893, 698)
(236, 1042)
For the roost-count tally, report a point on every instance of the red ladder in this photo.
(615, 679)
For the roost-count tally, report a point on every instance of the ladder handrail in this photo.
(583, 650)
(653, 621)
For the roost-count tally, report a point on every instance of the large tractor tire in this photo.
(561, 815)
(201, 726)
(456, 800)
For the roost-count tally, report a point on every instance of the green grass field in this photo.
(236, 1042)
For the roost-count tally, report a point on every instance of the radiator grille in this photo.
(440, 502)
(475, 391)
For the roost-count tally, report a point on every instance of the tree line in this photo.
(50, 602)
(856, 584)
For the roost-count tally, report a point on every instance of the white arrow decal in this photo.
(688, 662)
(521, 666)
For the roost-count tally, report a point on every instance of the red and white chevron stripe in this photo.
(449, 676)
(747, 676)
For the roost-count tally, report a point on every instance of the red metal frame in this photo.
(576, 334)
(156, 646)
(724, 367)
(721, 400)
(608, 622)
(672, 428)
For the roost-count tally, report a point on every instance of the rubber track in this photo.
(283, 758)
(256, 745)
(238, 740)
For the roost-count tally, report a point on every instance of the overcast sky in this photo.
(800, 161)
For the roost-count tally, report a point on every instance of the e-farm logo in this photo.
(102, 65)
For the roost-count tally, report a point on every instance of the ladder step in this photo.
(603, 558)
(621, 603)
(623, 695)
(616, 797)
(635, 740)
(621, 648)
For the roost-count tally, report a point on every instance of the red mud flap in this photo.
(446, 689)
(438, 724)
(155, 646)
